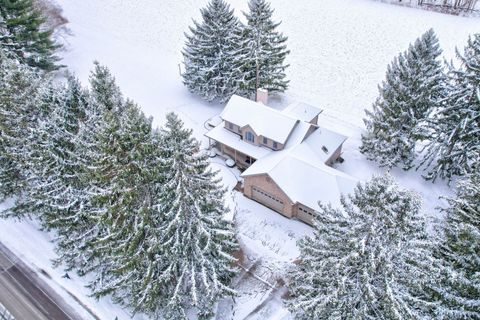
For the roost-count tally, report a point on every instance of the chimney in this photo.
(262, 96)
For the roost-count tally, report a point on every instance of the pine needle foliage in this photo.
(415, 84)
(370, 259)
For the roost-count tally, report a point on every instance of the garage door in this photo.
(305, 214)
(267, 199)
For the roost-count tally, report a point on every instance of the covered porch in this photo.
(232, 145)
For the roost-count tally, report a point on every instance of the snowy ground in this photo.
(339, 54)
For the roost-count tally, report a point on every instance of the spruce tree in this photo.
(122, 201)
(20, 88)
(196, 242)
(77, 227)
(368, 260)
(104, 90)
(53, 168)
(22, 33)
(454, 143)
(104, 107)
(264, 51)
(459, 252)
(414, 85)
(211, 70)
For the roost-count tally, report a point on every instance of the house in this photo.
(286, 155)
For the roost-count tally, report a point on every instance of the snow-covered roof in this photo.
(302, 111)
(320, 145)
(310, 149)
(233, 140)
(299, 133)
(300, 170)
(264, 120)
(304, 182)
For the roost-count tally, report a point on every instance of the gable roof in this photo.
(264, 120)
(300, 169)
(302, 111)
(233, 140)
(304, 182)
(299, 134)
(320, 145)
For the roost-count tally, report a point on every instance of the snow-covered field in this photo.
(339, 54)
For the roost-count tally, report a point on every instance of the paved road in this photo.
(25, 295)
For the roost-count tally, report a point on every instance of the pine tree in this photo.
(210, 53)
(122, 197)
(459, 292)
(22, 34)
(53, 184)
(103, 111)
(455, 136)
(414, 85)
(104, 89)
(20, 87)
(196, 241)
(77, 227)
(369, 260)
(264, 51)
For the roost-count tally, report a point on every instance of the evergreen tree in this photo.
(211, 70)
(414, 85)
(19, 110)
(104, 89)
(264, 51)
(196, 242)
(459, 292)
(123, 181)
(370, 260)
(455, 137)
(80, 227)
(77, 227)
(22, 33)
(53, 166)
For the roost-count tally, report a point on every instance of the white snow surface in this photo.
(309, 184)
(222, 135)
(339, 54)
(302, 111)
(263, 120)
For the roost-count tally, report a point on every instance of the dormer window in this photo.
(275, 145)
(249, 136)
(324, 149)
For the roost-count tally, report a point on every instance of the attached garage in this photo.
(267, 199)
(305, 214)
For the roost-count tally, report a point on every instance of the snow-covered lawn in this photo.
(339, 54)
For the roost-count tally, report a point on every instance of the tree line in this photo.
(427, 115)
(454, 5)
(138, 209)
(135, 207)
(373, 258)
(223, 56)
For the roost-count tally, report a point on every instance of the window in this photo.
(249, 136)
(275, 146)
(265, 140)
(324, 149)
(230, 125)
(310, 213)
